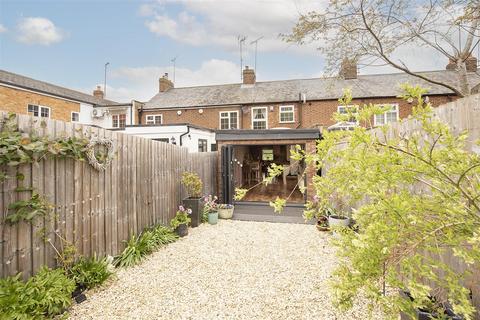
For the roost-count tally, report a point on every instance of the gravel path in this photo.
(233, 270)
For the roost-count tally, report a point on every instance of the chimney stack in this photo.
(471, 64)
(249, 76)
(98, 93)
(164, 84)
(348, 69)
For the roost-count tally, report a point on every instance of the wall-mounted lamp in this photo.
(200, 111)
(272, 108)
(179, 112)
(173, 140)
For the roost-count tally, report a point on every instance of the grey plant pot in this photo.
(182, 230)
(336, 221)
(196, 205)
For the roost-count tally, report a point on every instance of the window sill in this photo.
(286, 122)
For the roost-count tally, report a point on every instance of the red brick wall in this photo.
(308, 115)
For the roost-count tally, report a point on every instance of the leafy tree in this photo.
(372, 32)
(417, 196)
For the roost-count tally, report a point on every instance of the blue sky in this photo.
(67, 42)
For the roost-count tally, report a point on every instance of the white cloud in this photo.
(38, 30)
(141, 83)
(220, 22)
(2, 28)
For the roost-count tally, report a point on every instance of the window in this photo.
(349, 110)
(75, 116)
(119, 120)
(154, 119)
(389, 116)
(213, 147)
(38, 111)
(228, 120)
(202, 145)
(287, 114)
(259, 118)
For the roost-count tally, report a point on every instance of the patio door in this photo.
(228, 189)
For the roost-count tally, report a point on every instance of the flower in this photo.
(189, 211)
(181, 208)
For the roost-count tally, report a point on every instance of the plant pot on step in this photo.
(196, 205)
(182, 230)
(225, 211)
(213, 217)
(338, 222)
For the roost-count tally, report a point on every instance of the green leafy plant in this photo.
(417, 198)
(27, 210)
(162, 235)
(181, 217)
(137, 248)
(44, 295)
(91, 271)
(192, 183)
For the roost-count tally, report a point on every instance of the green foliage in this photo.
(278, 204)
(240, 193)
(274, 170)
(138, 247)
(91, 272)
(417, 198)
(27, 210)
(44, 295)
(182, 217)
(192, 183)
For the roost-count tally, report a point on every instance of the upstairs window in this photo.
(75, 116)
(228, 120)
(259, 118)
(287, 114)
(154, 119)
(389, 116)
(352, 110)
(38, 111)
(202, 145)
(119, 120)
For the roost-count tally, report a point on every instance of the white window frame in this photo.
(256, 120)
(395, 106)
(71, 116)
(118, 121)
(152, 116)
(349, 106)
(40, 107)
(229, 119)
(282, 111)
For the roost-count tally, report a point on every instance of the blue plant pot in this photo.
(213, 217)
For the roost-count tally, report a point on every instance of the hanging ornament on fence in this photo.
(92, 158)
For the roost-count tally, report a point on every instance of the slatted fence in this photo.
(94, 210)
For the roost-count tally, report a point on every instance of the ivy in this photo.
(27, 210)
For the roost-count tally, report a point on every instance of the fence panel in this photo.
(95, 211)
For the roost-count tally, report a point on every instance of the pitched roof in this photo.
(20, 81)
(365, 86)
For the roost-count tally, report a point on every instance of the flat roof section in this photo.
(268, 134)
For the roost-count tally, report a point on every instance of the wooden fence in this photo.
(96, 211)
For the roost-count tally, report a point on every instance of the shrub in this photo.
(91, 272)
(192, 183)
(44, 295)
(162, 235)
(182, 217)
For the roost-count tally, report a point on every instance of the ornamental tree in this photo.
(416, 196)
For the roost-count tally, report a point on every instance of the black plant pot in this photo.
(182, 230)
(196, 205)
(78, 294)
(425, 315)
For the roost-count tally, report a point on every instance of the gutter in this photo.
(183, 134)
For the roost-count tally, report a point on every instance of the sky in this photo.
(68, 42)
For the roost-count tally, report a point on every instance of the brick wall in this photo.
(308, 115)
(15, 100)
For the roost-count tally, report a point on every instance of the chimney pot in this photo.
(249, 76)
(98, 93)
(348, 69)
(164, 84)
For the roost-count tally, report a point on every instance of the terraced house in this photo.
(24, 95)
(258, 123)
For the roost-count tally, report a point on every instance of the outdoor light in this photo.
(271, 108)
(179, 112)
(200, 111)
(173, 140)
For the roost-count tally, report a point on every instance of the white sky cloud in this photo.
(220, 22)
(38, 30)
(2, 28)
(141, 83)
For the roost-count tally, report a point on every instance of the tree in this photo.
(371, 32)
(417, 197)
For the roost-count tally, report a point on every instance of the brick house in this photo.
(23, 95)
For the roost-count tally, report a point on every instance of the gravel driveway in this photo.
(233, 270)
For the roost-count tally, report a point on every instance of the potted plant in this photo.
(432, 310)
(193, 185)
(181, 220)
(210, 207)
(225, 211)
(322, 223)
